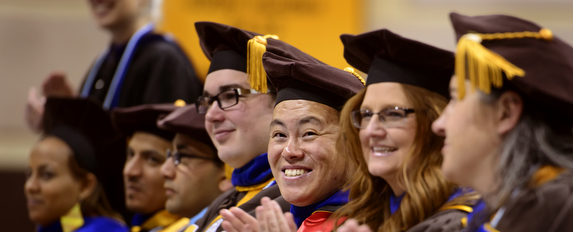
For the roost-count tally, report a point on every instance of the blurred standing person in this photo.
(508, 127)
(71, 170)
(139, 66)
(146, 151)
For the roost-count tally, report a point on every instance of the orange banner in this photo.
(314, 26)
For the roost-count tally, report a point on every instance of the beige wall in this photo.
(38, 36)
(428, 20)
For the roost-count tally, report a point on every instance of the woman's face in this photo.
(386, 148)
(302, 151)
(113, 13)
(51, 191)
(471, 138)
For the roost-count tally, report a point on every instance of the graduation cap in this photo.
(185, 120)
(87, 129)
(388, 57)
(229, 47)
(144, 118)
(295, 79)
(494, 50)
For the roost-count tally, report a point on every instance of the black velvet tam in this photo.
(187, 121)
(388, 57)
(301, 80)
(143, 118)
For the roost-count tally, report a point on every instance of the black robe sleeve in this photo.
(159, 73)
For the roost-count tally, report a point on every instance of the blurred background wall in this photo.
(39, 36)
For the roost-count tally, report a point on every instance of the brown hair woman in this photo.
(386, 133)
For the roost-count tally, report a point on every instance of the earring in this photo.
(73, 219)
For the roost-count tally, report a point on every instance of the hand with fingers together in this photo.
(271, 218)
(236, 220)
(351, 225)
(54, 85)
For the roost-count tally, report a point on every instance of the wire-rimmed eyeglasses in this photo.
(390, 117)
(178, 155)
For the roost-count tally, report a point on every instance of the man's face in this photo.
(194, 183)
(144, 192)
(239, 132)
(111, 14)
(302, 151)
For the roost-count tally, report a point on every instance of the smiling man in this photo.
(146, 152)
(194, 175)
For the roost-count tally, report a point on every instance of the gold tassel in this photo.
(482, 66)
(351, 71)
(73, 219)
(228, 171)
(256, 47)
(179, 103)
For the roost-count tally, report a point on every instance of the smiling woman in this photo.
(398, 185)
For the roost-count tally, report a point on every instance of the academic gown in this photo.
(185, 224)
(316, 217)
(548, 206)
(446, 219)
(157, 222)
(159, 72)
(252, 182)
(91, 224)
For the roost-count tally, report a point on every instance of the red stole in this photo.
(319, 221)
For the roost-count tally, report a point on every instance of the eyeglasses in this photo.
(225, 99)
(178, 155)
(390, 118)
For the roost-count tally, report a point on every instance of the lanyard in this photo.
(112, 96)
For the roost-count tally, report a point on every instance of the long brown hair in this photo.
(426, 188)
(96, 204)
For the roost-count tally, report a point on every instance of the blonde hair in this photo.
(426, 188)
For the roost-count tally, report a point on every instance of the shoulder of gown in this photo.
(101, 223)
(160, 72)
(548, 207)
(443, 221)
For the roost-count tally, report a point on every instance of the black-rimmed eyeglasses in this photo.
(178, 155)
(390, 117)
(225, 99)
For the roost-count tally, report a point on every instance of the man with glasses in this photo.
(238, 111)
(194, 175)
(147, 147)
